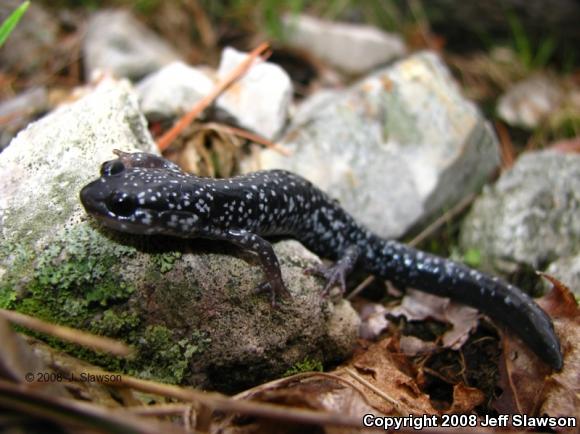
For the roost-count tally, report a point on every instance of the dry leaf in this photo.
(528, 384)
(314, 391)
(417, 306)
(383, 369)
(373, 320)
(413, 346)
(465, 399)
(562, 389)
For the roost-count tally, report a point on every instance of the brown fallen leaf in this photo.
(560, 301)
(562, 389)
(390, 373)
(322, 392)
(417, 306)
(465, 399)
(529, 386)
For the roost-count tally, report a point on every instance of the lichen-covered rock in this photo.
(394, 149)
(530, 216)
(187, 306)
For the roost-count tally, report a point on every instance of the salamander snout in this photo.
(101, 201)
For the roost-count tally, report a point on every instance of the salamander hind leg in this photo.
(268, 259)
(336, 274)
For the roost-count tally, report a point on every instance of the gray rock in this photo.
(530, 101)
(16, 112)
(394, 149)
(31, 44)
(567, 270)
(260, 100)
(193, 317)
(117, 43)
(173, 90)
(44, 167)
(353, 48)
(530, 216)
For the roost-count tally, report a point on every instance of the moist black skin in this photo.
(146, 194)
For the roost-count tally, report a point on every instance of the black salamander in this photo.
(145, 194)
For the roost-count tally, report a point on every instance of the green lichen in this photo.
(398, 124)
(165, 261)
(120, 324)
(75, 281)
(306, 365)
(7, 297)
(72, 274)
(165, 359)
(72, 281)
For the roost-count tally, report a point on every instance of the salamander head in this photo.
(142, 200)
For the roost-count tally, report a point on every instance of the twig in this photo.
(69, 334)
(375, 389)
(250, 136)
(169, 136)
(174, 409)
(223, 403)
(370, 279)
(506, 146)
(448, 215)
(78, 414)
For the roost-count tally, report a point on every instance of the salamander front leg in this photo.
(249, 241)
(335, 275)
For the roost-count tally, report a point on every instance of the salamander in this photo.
(142, 193)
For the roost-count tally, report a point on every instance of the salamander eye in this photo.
(120, 204)
(111, 168)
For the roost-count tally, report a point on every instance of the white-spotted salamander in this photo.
(146, 194)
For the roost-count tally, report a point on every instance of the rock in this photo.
(567, 270)
(189, 308)
(530, 216)
(353, 48)
(117, 43)
(31, 44)
(17, 112)
(530, 101)
(260, 100)
(46, 164)
(173, 90)
(394, 149)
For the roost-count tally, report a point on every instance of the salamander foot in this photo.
(276, 288)
(334, 275)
